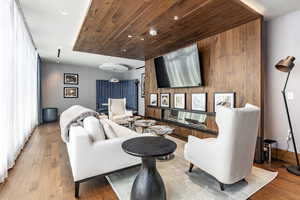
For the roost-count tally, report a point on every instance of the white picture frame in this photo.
(179, 100)
(199, 102)
(165, 100)
(153, 99)
(224, 99)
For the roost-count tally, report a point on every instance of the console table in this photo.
(148, 184)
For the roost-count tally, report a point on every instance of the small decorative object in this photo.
(153, 99)
(199, 101)
(226, 99)
(71, 79)
(179, 101)
(142, 85)
(70, 92)
(165, 100)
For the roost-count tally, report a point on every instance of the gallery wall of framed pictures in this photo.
(198, 100)
(71, 79)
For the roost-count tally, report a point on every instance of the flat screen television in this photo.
(179, 69)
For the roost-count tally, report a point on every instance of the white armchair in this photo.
(229, 157)
(117, 110)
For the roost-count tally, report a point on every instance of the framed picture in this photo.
(70, 92)
(165, 100)
(179, 101)
(153, 99)
(71, 79)
(142, 85)
(226, 99)
(199, 101)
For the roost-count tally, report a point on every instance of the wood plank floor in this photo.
(42, 172)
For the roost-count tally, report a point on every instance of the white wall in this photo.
(53, 85)
(283, 39)
(136, 74)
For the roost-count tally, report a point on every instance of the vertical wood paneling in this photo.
(231, 62)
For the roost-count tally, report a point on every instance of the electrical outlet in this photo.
(290, 95)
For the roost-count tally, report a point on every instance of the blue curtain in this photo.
(124, 89)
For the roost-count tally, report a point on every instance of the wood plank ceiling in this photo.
(109, 23)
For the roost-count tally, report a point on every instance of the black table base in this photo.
(148, 184)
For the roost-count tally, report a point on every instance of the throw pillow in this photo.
(109, 131)
(94, 128)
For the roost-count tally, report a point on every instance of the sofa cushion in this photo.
(94, 128)
(109, 131)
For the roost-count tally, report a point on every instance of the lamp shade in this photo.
(286, 65)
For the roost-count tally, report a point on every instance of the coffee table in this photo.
(144, 124)
(148, 185)
(132, 120)
(162, 131)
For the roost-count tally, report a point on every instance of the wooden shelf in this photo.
(189, 126)
(185, 129)
(185, 110)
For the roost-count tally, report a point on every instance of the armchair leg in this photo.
(191, 167)
(77, 184)
(221, 186)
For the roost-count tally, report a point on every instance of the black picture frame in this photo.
(166, 106)
(205, 99)
(174, 100)
(228, 93)
(155, 94)
(142, 85)
(69, 76)
(76, 93)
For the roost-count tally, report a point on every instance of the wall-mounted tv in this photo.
(178, 69)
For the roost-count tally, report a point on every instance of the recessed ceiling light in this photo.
(153, 32)
(130, 36)
(64, 13)
(175, 17)
(142, 39)
(124, 50)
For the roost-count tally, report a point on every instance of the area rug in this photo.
(198, 185)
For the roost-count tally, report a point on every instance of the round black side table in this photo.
(148, 185)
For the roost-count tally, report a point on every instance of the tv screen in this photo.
(179, 69)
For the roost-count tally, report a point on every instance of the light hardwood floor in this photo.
(42, 172)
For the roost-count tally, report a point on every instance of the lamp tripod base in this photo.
(294, 170)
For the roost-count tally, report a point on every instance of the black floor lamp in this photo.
(287, 65)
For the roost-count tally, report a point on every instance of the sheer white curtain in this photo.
(18, 85)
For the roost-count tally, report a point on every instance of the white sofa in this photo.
(90, 159)
(229, 157)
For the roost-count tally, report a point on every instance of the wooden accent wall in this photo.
(231, 62)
